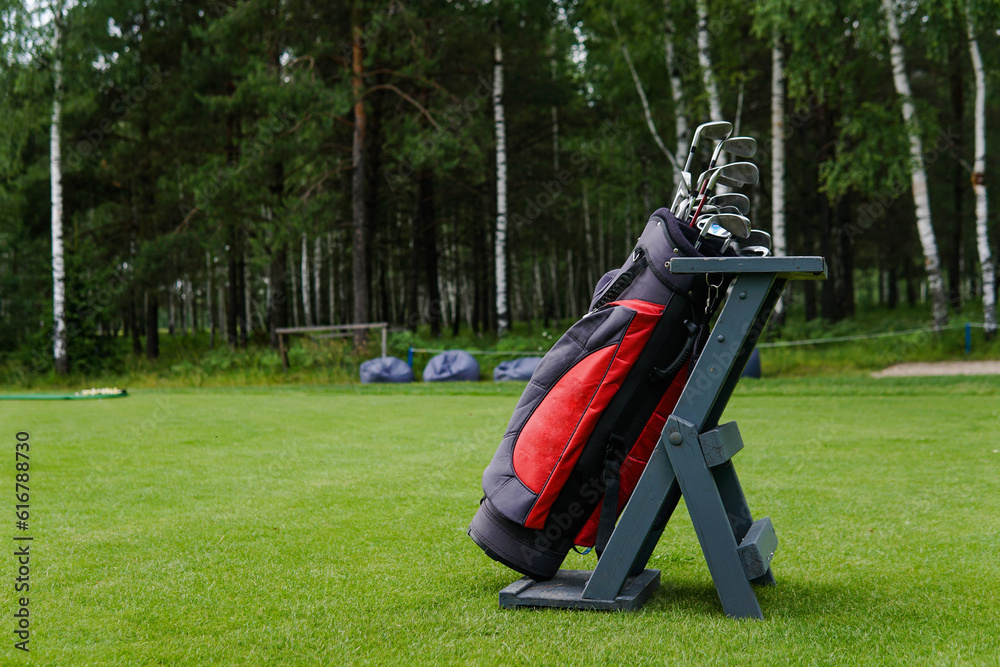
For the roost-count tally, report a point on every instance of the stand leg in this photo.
(669, 505)
(711, 523)
(737, 509)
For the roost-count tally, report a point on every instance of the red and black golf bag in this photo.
(592, 413)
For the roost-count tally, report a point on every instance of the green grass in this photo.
(326, 525)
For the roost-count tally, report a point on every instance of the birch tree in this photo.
(708, 74)
(317, 275)
(500, 251)
(58, 266)
(778, 155)
(306, 290)
(705, 61)
(676, 87)
(642, 97)
(918, 173)
(979, 183)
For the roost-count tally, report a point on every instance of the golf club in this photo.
(740, 201)
(716, 130)
(746, 172)
(738, 146)
(758, 237)
(735, 224)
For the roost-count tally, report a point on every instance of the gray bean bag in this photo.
(752, 369)
(452, 366)
(518, 369)
(385, 369)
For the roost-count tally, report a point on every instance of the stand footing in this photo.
(565, 591)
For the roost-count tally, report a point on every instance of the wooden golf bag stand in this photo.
(693, 458)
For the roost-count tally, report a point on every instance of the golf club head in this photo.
(744, 172)
(718, 232)
(754, 251)
(715, 130)
(735, 224)
(740, 146)
(740, 201)
(729, 182)
(733, 174)
(758, 237)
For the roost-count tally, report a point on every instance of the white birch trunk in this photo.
(642, 98)
(58, 265)
(705, 61)
(295, 289)
(333, 269)
(918, 174)
(306, 296)
(778, 156)
(676, 85)
(979, 184)
(708, 75)
(500, 250)
(209, 288)
(316, 283)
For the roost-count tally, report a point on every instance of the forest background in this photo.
(209, 171)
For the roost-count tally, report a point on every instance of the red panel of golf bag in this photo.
(592, 413)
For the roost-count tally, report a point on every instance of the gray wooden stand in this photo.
(693, 458)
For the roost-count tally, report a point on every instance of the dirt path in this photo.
(940, 368)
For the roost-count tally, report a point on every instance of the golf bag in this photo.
(593, 411)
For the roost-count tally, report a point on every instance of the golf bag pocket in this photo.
(552, 428)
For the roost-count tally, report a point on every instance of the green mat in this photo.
(60, 397)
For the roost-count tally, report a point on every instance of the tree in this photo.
(360, 238)
(500, 251)
(918, 172)
(58, 261)
(778, 156)
(979, 183)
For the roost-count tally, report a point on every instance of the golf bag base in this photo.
(514, 545)
(593, 411)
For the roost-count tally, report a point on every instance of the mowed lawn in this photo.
(327, 526)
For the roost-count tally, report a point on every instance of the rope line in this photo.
(843, 339)
(490, 352)
(783, 343)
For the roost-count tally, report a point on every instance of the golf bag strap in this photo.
(658, 374)
(609, 507)
(624, 279)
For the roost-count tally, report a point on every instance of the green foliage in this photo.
(202, 140)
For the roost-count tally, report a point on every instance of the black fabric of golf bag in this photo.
(593, 411)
